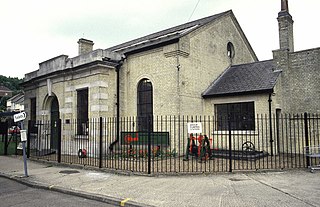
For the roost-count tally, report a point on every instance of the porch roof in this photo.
(250, 78)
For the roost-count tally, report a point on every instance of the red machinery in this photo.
(199, 147)
(82, 153)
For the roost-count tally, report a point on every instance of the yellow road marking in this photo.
(124, 201)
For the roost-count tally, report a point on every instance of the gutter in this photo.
(118, 67)
(263, 91)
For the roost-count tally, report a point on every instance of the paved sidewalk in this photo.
(286, 188)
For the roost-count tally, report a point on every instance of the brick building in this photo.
(161, 74)
(204, 67)
(289, 83)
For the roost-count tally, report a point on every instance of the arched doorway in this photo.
(54, 118)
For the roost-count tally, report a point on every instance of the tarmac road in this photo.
(14, 194)
(290, 188)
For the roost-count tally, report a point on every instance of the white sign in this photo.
(195, 127)
(20, 116)
(23, 135)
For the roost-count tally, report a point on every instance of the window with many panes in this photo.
(82, 111)
(145, 105)
(241, 116)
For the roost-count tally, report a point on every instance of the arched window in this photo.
(144, 105)
(230, 50)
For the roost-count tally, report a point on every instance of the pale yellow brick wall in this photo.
(261, 103)
(260, 137)
(208, 59)
(180, 72)
(161, 71)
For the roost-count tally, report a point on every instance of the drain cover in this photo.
(236, 179)
(69, 171)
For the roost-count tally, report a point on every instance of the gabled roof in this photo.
(4, 89)
(257, 77)
(17, 99)
(163, 36)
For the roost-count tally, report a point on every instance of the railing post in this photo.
(149, 144)
(6, 138)
(306, 130)
(270, 125)
(100, 144)
(16, 146)
(230, 144)
(28, 138)
(59, 140)
(6, 144)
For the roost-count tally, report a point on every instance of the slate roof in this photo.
(17, 99)
(4, 89)
(257, 77)
(163, 36)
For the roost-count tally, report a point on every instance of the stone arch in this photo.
(51, 105)
(51, 109)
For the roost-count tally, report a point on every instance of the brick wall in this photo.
(180, 72)
(300, 80)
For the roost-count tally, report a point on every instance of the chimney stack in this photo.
(85, 46)
(285, 27)
(284, 5)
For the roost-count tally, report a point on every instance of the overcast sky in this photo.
(33, 31)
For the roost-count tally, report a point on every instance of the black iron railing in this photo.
(9, 139)
(170, 147)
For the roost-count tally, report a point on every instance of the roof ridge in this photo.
(171, 30)
(5, 88)
(255, 62)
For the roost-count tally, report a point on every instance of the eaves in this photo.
(240, 93)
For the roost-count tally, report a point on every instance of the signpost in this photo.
(23, 134)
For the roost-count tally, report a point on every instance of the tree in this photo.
(11, 83)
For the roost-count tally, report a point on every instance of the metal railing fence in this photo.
(168, 146)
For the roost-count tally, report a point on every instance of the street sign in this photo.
(19, 117)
